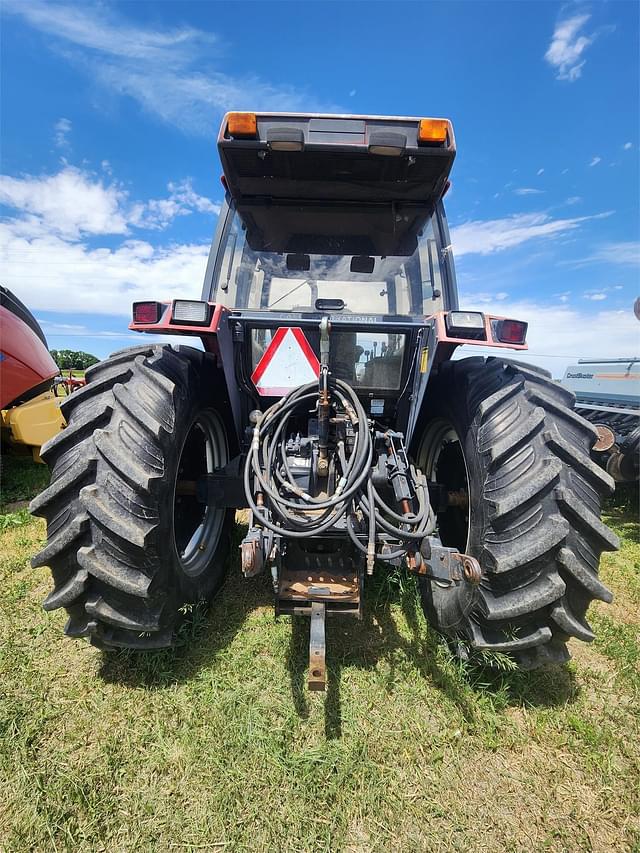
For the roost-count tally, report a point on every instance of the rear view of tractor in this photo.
(326, 401)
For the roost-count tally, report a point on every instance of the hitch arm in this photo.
(317, 648)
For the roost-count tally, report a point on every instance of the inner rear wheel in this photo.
(441, 458)
(197, 525)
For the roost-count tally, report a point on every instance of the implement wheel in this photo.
(524, 500)
(128, 541)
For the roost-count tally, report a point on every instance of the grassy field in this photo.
(218, 746)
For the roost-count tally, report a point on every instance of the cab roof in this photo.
(336, 158)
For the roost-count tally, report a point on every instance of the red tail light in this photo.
(511, 331)
(146, 313)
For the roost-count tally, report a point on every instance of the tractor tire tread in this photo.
(102, 507)
(538, 531)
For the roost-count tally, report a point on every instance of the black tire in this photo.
(115, 525)
(509, 435)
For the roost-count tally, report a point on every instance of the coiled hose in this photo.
(284, 508)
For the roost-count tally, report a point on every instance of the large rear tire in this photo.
(128, 543)
(506, 435)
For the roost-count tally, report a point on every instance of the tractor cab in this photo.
(338, 217)
(323, 210)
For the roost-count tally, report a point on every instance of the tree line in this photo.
(68, 359)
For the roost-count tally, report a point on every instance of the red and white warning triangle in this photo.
(287, 363)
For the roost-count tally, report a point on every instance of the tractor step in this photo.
(339, 591)
(327, 575)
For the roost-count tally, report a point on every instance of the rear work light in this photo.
(510, 331)
(242, 125)
(466, 324)
(432, 130)
(388, 144)
(147, 313)
(285, 139)
(191, 311)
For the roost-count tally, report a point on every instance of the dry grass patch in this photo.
(218, 746)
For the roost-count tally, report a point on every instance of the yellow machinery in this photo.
(34, 422)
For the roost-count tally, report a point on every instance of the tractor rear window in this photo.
(367, 359)
(341, 269)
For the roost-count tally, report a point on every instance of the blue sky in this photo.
(110, 176)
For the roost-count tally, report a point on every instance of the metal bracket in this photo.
(444, 564)
(223, 487)
(252, 552)
(317, 648)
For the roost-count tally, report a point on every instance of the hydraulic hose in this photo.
(287, 510)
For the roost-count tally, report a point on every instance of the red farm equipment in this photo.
(28, 374)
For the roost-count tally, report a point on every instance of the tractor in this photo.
(325, 399)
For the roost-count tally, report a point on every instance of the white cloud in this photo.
(191, 101)
(169, 72)
(51, 273)
(625, 253)
(62, 129)
(91, 27)
(48, 247)
(485, 297)
(560, 334)
(595, 160)
(49, 325)
(565, 52)
(69, 203)
(183, 200)
(487, 236)
(540, 172)
(528, 191)
(574, 199)
(628, 146)
(74, 203)
(352, 93)
(103, 340)
(597, 294)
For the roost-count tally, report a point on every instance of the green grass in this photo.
(217, 745)
(20, 479)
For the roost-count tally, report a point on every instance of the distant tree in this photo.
(65, 357)
(68, 359)
(84, 360)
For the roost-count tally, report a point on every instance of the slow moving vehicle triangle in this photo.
(287, 363)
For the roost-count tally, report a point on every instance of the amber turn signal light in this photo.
(242, 125)
(433, 130)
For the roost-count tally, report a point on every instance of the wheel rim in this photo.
(442, 460)
(197, 527)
